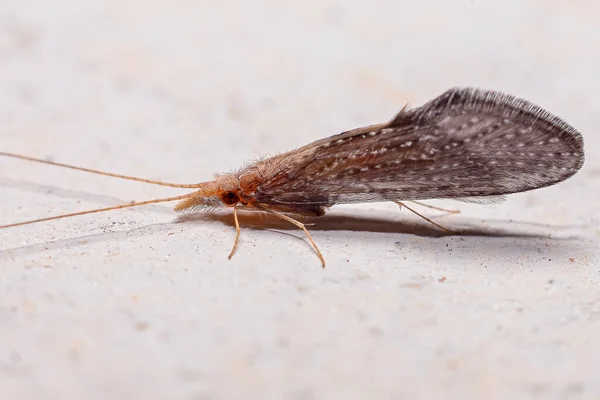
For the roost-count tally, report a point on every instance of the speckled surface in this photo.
(136, 304)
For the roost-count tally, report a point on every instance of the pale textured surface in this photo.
(133, 305)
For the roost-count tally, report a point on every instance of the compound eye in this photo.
(230, 198)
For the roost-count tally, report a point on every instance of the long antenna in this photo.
(95, 171)
(97, 210)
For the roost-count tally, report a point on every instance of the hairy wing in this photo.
(465, 143)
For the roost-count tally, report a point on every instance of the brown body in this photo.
(465, 144)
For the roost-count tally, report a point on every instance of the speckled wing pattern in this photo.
(465, 143)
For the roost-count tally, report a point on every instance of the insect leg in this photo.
(237, 232)
(299, 225)
(424, 217)
(436, 208)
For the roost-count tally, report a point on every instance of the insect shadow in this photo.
(462, 225)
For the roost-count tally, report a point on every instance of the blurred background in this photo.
(136, 305)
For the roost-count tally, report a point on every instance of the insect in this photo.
(467, 144)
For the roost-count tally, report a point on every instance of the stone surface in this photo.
(134, 304)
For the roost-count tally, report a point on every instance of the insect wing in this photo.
(465, 143)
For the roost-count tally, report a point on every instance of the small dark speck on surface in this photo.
(142, 326)
(15, 357)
